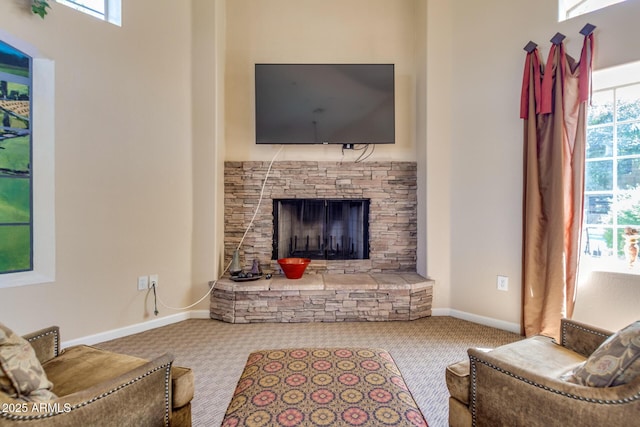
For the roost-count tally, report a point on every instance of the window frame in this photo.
(12, 80)
(43, 170)
(611, 79)
(565, 10)
(112, 10)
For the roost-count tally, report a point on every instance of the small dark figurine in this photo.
(255, 268)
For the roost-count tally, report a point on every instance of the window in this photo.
(107, 10)
(27, 177)
(612, 169)
(571, 8)
(16, 226)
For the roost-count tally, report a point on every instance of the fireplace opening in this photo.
(328, 229)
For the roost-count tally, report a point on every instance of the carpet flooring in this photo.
(218, 351)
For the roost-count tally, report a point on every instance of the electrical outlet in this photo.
(143, 283)
(502, 284)
(153, 280)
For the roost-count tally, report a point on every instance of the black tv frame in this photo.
(306, 92)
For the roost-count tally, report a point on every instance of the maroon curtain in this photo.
(553, 106)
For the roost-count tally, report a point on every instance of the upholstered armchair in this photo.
(91, 386)
(533, 382)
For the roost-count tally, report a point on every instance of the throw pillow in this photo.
(615, 362)
(21, 374)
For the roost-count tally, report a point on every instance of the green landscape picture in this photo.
(16, 228)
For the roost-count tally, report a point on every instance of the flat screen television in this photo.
(325, 103)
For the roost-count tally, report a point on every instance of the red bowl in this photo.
(293, 267)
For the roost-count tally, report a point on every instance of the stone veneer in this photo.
(390, 186)
(323, 298)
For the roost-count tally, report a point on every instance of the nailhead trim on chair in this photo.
(167, 398)
(473, 391)
(544, 387)
(167, 368)
(56, 340)
(535, 384)
(565, 325)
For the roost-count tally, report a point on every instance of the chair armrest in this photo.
(582, 338)
(505, 394)
(45, 342)
(140, 397)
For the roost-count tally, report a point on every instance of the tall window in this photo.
(612, 173)
(571, 8)
(16, 225)
(27, 173)
(107, 10)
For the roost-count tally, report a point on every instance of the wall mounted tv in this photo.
(325, 103)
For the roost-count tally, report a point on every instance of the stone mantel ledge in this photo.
(324, 298)
(356, 281)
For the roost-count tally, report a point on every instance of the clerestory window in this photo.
(107, 10)
(568, 9)
(612, 170)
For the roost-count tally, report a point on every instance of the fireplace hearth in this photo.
(323, 298)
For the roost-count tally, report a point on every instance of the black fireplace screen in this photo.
(321, 228)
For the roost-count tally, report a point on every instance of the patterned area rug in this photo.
(322, 387)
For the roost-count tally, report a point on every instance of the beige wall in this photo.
(147, 113)
(321, 31)
(208, 144)
(486, 144)
(434, 149)
(123, 189)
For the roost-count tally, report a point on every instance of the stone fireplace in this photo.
(323, 202)
(389, 188)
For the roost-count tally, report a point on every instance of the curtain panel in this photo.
(553, 105)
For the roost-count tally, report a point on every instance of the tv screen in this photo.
(325, 104)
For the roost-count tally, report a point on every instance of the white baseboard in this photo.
(440, 312)
(136, 328)
(200, 314)
(487, 321)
